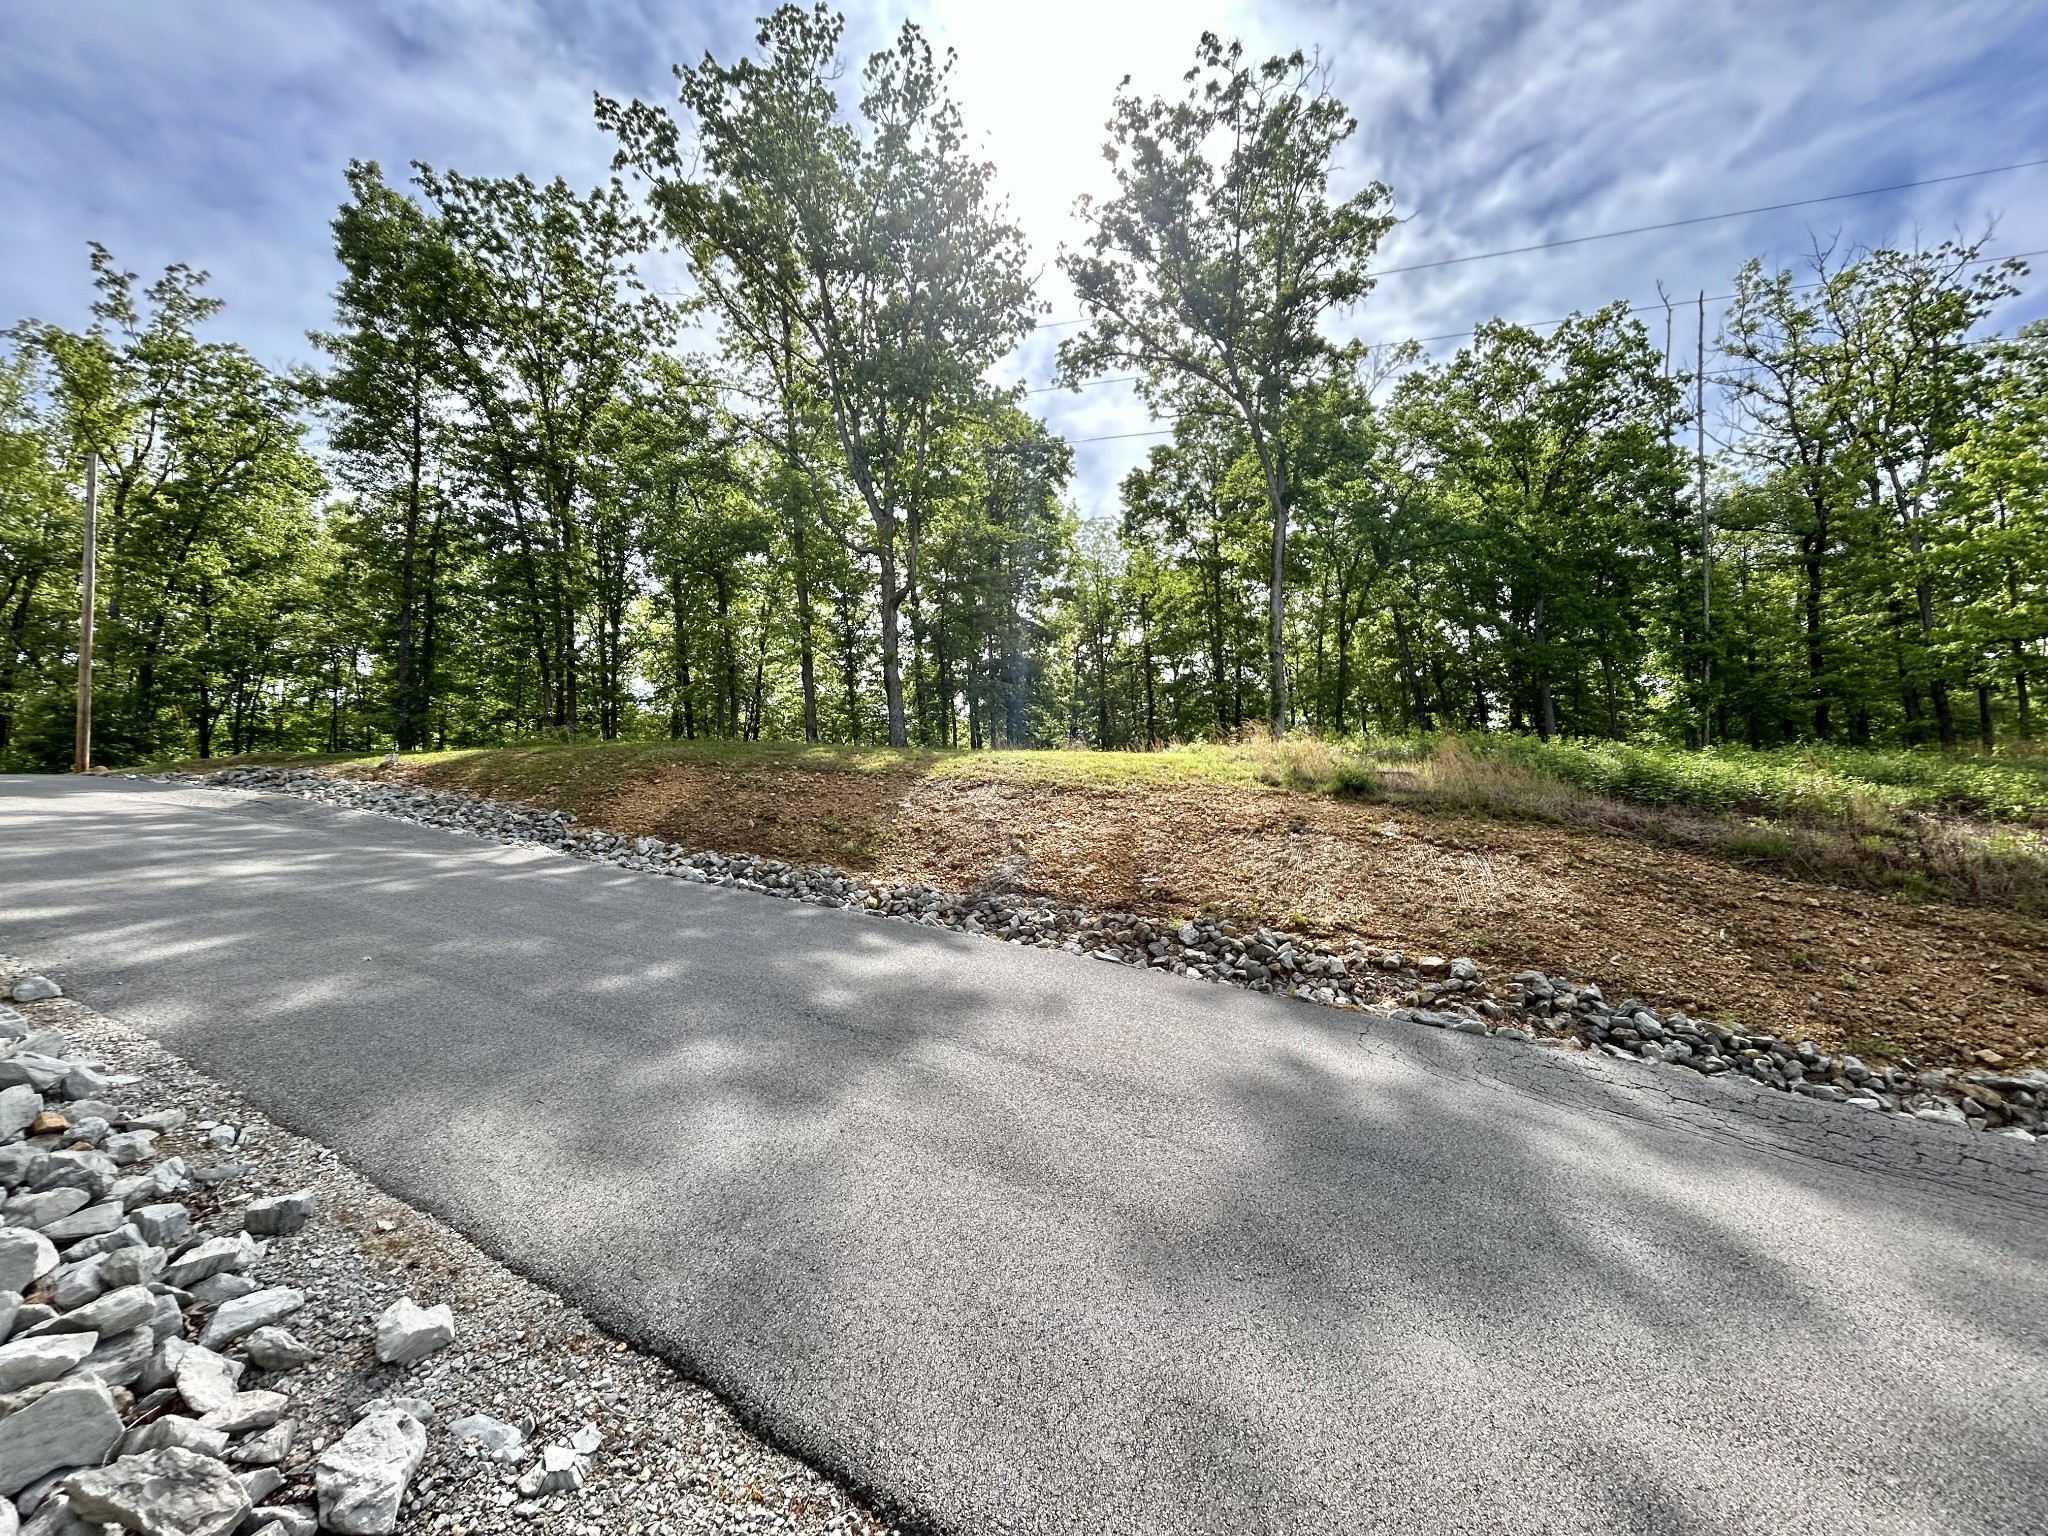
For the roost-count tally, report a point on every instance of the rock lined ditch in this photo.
(208, 1327)
(1442, 993)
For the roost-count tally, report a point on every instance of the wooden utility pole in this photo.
(81, 751)
(1699, 408)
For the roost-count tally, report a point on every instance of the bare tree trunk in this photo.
(892, 663)
(2019, 689)
(1423, 722)
(806, 667)
(407, 736)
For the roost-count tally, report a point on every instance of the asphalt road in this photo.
(1019, 1242)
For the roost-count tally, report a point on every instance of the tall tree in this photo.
(40, 534)
(207, 504)
(1213, 267)
(1550, 452)
(547, 327)
(880, 239)
(1998, 480)
(389, 398)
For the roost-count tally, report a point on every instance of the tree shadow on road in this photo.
(998, 1234)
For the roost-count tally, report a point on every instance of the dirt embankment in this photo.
(1881, 976)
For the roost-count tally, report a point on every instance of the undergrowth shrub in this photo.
(1310, 763)
(1801, 811)
(1865, 787)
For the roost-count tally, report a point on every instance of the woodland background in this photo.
(528, 497)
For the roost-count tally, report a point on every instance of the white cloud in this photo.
(215, 132)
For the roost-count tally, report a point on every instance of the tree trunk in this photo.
(1016, 678)
(14, 656)
(1815, 545)
(1276, 603)
(729, 717)
(806, 666)
(1546, 702)
(1318, 708)
(689, 692)
(1944, 712)
(1101, 684)
(679, 655)
(973, 707)
(407, 738)
(1151, 698)
(426, 667)
(543, 650)
(1343, 647)
(1937, 687)
(892, 666)
(913, 601)
(2019, 691)
(760, 669)
(799, 525)
(1215, 564)
(1423, 722)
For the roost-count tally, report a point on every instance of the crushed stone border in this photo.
(1455, 993)
(536, 1420)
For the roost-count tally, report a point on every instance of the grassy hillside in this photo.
(1877, 902)
(1965, 828)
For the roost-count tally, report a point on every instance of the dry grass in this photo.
(1858, 840)
(1310, 763)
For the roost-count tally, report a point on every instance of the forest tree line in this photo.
(525, 496)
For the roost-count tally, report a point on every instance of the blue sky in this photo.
(215, 133)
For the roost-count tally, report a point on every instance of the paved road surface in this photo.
(1020, 1242)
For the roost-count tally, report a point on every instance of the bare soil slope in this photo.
(1884, 976)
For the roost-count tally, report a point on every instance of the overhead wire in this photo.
(1708, 218)
(1638, 309)
(1644, 309)
(1643, 229)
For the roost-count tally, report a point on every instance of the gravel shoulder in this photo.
(669, 1458)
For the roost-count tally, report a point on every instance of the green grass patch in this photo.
(1855, 786)
(1197, 764)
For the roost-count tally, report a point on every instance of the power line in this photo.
(1644, 309)
(1640, 229)
(1120, 378)
(1708, 218)
(1117, 437)
(1636, 309)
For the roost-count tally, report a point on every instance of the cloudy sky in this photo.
(214, 132)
